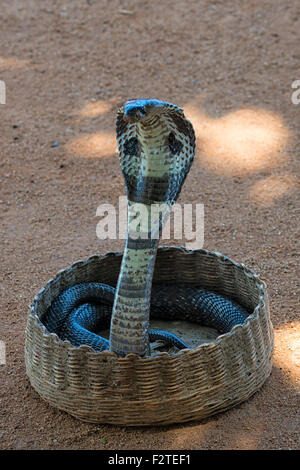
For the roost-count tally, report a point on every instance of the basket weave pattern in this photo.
(190, 385)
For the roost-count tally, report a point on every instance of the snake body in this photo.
(156, 149)
(82, 309)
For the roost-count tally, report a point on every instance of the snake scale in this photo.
(156, 149)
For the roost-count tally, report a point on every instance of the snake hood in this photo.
(156, 149)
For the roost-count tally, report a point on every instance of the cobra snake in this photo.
(156, 149)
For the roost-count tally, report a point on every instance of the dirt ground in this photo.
(67, 66)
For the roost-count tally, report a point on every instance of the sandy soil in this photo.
(67, 67)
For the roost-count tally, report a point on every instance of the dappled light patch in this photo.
(287, 352)
(96, 145)
(268, 190)
(94, 109)
(7, 63)
(241, 142)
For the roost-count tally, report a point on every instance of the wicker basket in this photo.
(101, 387)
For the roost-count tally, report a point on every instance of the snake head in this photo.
(141, 109)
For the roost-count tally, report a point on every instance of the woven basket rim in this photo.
(260, 284)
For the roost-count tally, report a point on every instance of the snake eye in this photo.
(142, 112)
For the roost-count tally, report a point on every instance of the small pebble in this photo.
(55, 144)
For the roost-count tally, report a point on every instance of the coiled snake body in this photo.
(156, 148)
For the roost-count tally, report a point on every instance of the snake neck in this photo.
(131, 309)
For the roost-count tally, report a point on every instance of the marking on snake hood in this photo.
(184, 126)
(131, 147)
(174, 144)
